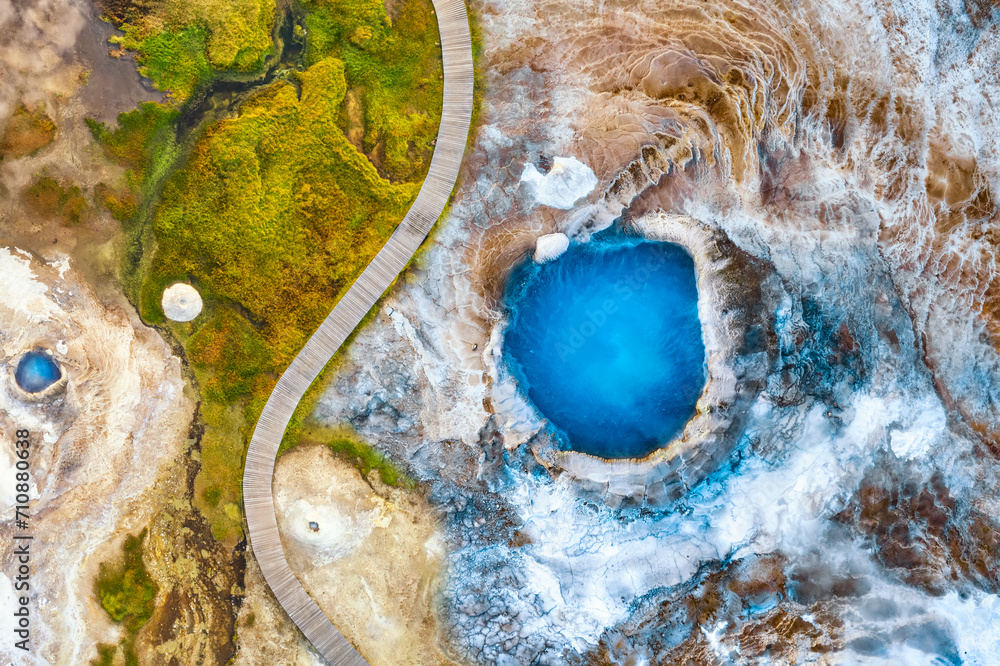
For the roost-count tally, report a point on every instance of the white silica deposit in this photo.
(549, 247)
(181, 302)
(326, 529)
(567, 181)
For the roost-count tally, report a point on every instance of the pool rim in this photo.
(735, 376)
(49, 391)
(516, 374)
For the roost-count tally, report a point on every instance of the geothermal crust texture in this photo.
(101, 438)
(830, 167)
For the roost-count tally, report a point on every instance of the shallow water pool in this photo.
(36, 371)
(606, 342)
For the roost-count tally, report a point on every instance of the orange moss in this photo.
(27, 132)
(47, 198)
(120, 203)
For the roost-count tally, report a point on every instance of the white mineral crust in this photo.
(549, 247)
(99, 449)
(567, 181)
(181, 302)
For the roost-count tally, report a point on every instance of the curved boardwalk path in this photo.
(258, 499)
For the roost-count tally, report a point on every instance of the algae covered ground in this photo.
(127, 592)
(27, 132)
(273, 210)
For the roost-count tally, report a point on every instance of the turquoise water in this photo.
(36, 372)
(606, 342)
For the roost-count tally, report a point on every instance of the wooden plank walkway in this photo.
(258, 499)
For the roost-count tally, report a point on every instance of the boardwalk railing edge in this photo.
(258, 497)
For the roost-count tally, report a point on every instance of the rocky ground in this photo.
(371, 556)
(850, 150)
(105, 443)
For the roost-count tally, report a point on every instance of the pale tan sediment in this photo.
(258, 498)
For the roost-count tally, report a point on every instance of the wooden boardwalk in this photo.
(258, 499)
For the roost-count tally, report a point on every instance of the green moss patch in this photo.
(143, 142)
(276, 211)
(105, 655)
(121, 203)
(128, 594)
(233, 354)
(218, 487)
(271, 214)
(348, 445)
(395, 65)
(180, 44)
(174, 61)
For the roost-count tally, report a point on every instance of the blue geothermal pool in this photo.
(36, 372)
(606, 342)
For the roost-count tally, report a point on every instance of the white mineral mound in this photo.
(326, 528)
(181, 302)
(568, 180)
(549, 247)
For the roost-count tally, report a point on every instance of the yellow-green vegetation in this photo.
(46, 197)
(273, 213)
(234, 355)
(143, 142)
(121, 203)
(128, 594)
(217, 487)
(276, 211)
(27, 132)
(478, 91)
(239, 31)
(349, 446)
(394, 65)
(174, 61)
(273, 216)
(105, 655)
(180, 44)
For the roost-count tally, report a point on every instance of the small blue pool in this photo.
(36, 372)
(606, 342)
